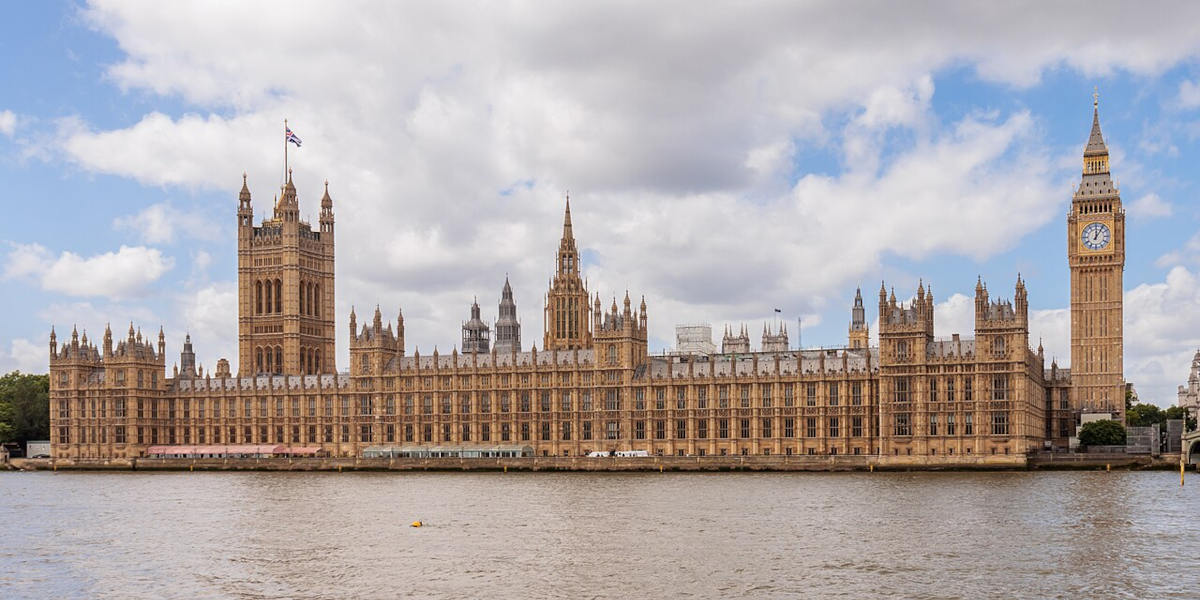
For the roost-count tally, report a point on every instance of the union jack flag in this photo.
(291, 137)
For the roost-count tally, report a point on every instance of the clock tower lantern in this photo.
(1096, 253)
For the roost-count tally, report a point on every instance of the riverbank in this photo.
(653, 463)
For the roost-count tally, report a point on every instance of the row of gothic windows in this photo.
(268, 297)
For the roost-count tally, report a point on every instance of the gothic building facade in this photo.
(593, 385)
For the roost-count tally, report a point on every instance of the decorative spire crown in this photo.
(1096, 145)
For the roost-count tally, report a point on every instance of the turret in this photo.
(108, 342)
(326, 219)
(400, 331)
(288, 208)
(1021, 299)
(354, 324)
(245, 213)
(187, 358)
(162, 342)
(53, 343)
(508, 327)
(859, 334)
(475, 333)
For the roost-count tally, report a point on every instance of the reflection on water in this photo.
(598, 535)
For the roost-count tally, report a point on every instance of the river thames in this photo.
(599, 535)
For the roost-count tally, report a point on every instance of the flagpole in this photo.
(285, 149)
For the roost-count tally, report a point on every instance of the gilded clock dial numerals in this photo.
(1095, 236)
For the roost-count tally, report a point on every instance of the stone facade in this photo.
(594, 386)
(285, 288)
(1096, 254)
(1189, 395)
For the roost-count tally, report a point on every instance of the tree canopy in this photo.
(1147, 415)
(1102, 433)
(24, 407)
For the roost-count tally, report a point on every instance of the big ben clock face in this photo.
(1096, 236)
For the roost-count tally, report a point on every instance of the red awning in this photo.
(213, 449)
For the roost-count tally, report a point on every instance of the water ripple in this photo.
(598, 535)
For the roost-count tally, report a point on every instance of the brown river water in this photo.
(599, 535)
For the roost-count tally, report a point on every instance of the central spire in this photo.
(568, 236)
(568, 257)
(1096, 145)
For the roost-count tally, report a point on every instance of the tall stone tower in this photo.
(566, 324)
(1096, 252)
(860, 336)
(508, 327)
(285, 288)
(476, 336)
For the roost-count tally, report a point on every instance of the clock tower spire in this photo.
(1096, 254)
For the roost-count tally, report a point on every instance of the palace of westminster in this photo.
(592, 385)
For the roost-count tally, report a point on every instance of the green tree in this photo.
(1144, 415)
(1175, 412)
(1102, 433)
(24, 407)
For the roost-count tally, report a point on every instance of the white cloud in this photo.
(1189, 253)
(118, 274)
(25, 356)
(1150, 206)
(209, 314)
(1162, 331)
(679, 143)
(1189, 94)
(163, 223)
(8, 122)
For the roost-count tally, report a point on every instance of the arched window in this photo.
(278, 359)
(612, 355)
(258, 360)
(267, 296)
(302, 297)
(278, 296)
(317, 361)
(257, 297)
(269, 364)
(317, 303)
(310, 299)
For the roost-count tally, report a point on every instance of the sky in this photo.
(723, 160)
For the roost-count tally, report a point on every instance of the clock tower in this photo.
(1096, 253)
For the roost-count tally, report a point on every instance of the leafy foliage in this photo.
(1146, 415)
(24, 407)
(1102, 433)
(1143, 415)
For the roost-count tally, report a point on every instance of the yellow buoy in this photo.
(417, 523)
